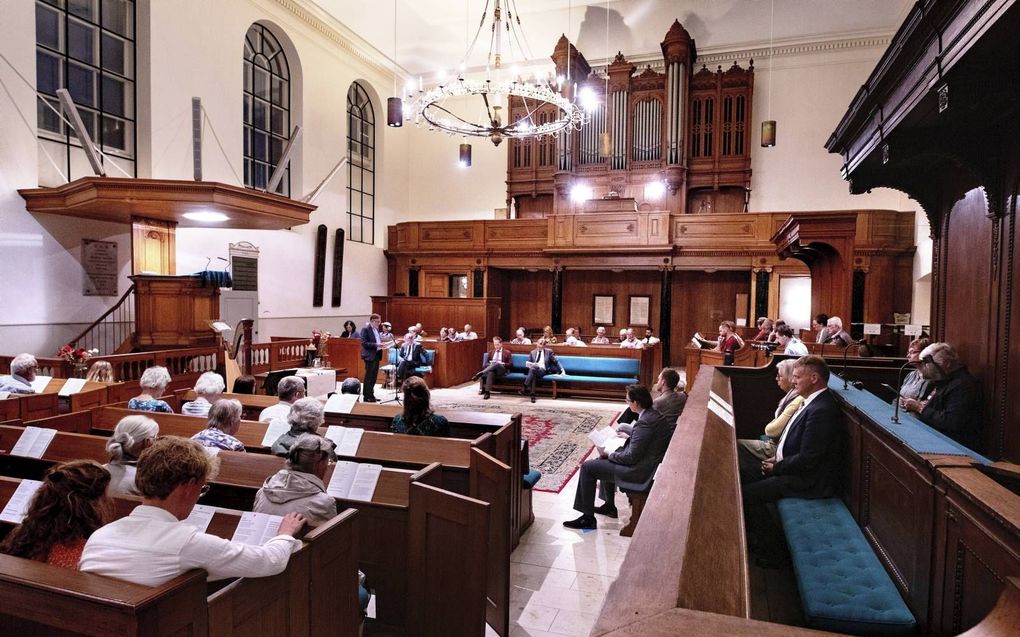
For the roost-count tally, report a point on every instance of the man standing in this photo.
(408, 358)
(600, 337)
(499, 365)
(633, 463)
(541, 361)
(371, 352)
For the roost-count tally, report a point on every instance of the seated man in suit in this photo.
(22, 374)
(954, 406)
(408, 357)
(669, 401)
(809, 457)
(499, 365)
(634, 462)
(541, 361)
(836, 334)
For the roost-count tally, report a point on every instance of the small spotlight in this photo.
(580, 193)
(589, 101)
(205, 216)
(394, 112)
(655, 190)
(465, 154)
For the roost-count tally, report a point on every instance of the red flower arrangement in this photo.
(76, 357)
(320, 338)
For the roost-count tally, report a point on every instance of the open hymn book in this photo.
(354, 481)
(607, 439)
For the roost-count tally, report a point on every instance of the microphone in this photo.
(846, 350)
(899, 387)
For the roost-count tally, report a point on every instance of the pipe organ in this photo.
(690, 132)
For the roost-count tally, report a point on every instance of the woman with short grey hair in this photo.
(305, 417)
(131, 436)
(224, 421)
(299, 488)
(209, 387)
(154, 382)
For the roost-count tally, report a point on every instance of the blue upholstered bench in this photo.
(428, 357)
(843, 586)
(582, 374)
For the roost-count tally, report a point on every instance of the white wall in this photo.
(195, 48)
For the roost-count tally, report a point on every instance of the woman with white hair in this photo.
(210, 388)
(154, 382)
(305, 417)
(131, 436)
(298, 488)
(224, 421)
(22, 374)
(788, 406)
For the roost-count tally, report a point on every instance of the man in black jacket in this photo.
(634, 462)
(954, 406)
(408, 357)
(810, 455)
(541, 361)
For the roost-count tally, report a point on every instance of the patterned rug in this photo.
(557, 436)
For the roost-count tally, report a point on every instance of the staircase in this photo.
(111, 333)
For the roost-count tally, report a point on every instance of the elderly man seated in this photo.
(631, 341)
(600, 336)
(22, 374)
(289, 390)
(836, 334)
(468, 334)
(521, 339)
(153, 544)
(209, 387)
(954, 406)
(572, 339)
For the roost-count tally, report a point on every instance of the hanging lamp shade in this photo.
(465, 154)
(394, 112)
(768, 133)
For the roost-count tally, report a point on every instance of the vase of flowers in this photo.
(318, 343)
(78, 357)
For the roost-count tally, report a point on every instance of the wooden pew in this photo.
(315, 595)
(382, 524)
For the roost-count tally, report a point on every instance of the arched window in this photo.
(87, 47)
(361, 169)
(266, 108)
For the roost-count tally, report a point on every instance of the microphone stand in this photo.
(899, 388)
(846, 350)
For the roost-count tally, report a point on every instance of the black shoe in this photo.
(533, 398)
(485, 396)
(583, 522)
(481, 391)
(370, 399)
(476, 376)
(609, 512)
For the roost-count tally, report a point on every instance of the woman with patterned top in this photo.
(209, 388)
(69, 506)
(154, 382)
(224, 421)
(418, 419)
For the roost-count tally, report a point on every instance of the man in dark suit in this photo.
(809, 457)
(371, 352)
(498, 366)
(541, 361)
(633, 463)
(408, 357)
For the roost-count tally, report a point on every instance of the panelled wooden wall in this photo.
(531, 294)
(702, 300)
(580, 287)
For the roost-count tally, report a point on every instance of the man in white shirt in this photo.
(521, 338)
(790, 343)
(289, 389)
(649, 339)
(600, 337)
(572, 339)
(468, 334)
(22, 374)
(153, 545)
(631, 341)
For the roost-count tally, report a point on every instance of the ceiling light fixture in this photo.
(205, 216)
(394, 105)
(605, 140)
(430, 107)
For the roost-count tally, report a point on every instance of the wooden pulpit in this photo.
(174, 311)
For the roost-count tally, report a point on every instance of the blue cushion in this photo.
(363, 597)
(595, 366)
(428, 356)
(843, 586)
(626, 380)
(530, 478)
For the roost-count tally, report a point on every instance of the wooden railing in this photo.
(277, 355)
(111, 331)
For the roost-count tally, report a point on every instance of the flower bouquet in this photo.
(317, 348)
(78, 358)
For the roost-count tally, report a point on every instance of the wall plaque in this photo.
(99, 261)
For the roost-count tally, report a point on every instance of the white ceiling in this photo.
(433, 34)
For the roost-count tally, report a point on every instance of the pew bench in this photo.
(843, 586)
(600, 376)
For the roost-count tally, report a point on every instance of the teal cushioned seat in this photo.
(843, 586)
(594, 366)
(530, 479)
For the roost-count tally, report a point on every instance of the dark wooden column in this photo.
(665, 312)
(557, 300)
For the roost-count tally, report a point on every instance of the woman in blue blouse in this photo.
(418, 419)
(154, 382)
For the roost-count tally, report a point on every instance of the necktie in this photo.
(541, 359)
